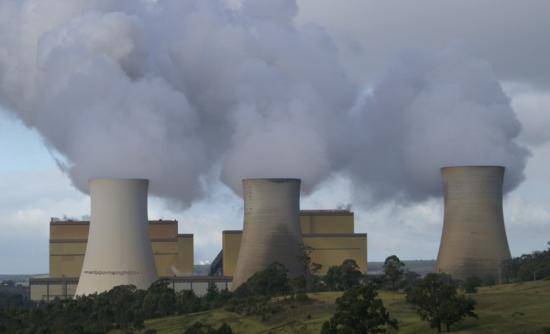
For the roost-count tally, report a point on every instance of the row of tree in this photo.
(359, 310)
(528, 267)
(124, 307)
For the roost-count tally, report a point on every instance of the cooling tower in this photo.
(474, 241)
(118, 250)
(271, 230)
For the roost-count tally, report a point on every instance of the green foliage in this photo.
(200, 328)
(343, 277)
(437, 301)
(359, 310)
(471, 284)
(10, 301)
(528, 267)
(310, 281)
(393, 271)
(124, 308)
(409, 280)
(267, 292)
(273, 281)
(262, 306)
(159, 300)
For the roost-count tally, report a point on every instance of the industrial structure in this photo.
(473, 243)
(328, 234)
(118, 251)
(173, 252)
(271, 228)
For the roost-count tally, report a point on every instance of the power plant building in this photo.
(172, 252)
(473, 242)
(328, 233)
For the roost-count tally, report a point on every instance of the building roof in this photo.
(55, 221)
(326, 213)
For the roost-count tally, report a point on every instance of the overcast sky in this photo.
(510, 35)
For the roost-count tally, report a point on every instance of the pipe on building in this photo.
(271, 230)
(473, 243)
(118, 251)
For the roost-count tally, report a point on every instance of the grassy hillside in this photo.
(512, 308)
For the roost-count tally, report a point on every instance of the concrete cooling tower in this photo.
(118, 250)
(271, 228)
(474, 239)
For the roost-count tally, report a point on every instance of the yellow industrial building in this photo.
(330, 235)
(173, 252)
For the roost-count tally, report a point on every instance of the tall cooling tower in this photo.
(474, 239)
(271, 228)
(118, 250)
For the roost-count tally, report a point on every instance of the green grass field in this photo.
(511, 308)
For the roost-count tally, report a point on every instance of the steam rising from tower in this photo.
(118, 250)
(271, 227)
(175, 90)
(474, 241)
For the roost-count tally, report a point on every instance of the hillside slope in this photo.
(511, 308)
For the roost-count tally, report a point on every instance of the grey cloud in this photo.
(172, 90)
(512, 35)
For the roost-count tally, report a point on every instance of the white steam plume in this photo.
(168, 90)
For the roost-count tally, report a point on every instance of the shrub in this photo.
(436, 300)
(200, 328)
(273, 281)
(393, 271)
(343, 277)
(359, 310)
(471, 284)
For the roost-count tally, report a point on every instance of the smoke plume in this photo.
(171, 90)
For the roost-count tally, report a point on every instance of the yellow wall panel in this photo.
(185, 258)
(173, 253)
(329, 250)
(61, 248)
(68, 231)
(231, 243)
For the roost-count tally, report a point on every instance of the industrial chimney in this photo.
(473, 243)
(271, 228)
(118, 250)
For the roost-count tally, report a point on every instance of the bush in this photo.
(359, 310)
(273, 281)
(200, 328)
(471, 284)
(393, 271)
(436, 300)
(528, 267)
(343, 277)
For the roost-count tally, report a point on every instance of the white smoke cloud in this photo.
(429, 111)
(171, 90)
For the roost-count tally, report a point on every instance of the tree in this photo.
(471, 284)
(333, 277)
(359, 310)
(311, 269)
(528, 267)
(343, 277)
(160, 300)
(272, 281)
(200, 328)
(437, 301)
(409, 279)
(393, 270)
